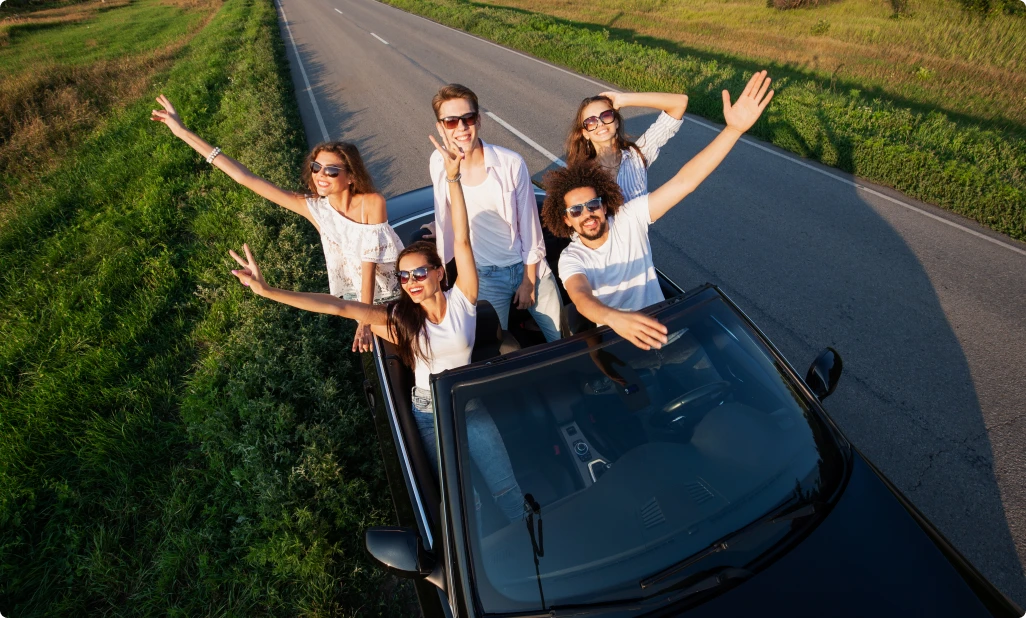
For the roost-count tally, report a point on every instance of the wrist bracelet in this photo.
(213, 155)
(457, 179)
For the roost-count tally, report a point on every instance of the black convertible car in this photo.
(703, 479)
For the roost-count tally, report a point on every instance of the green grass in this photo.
(976, 168)
(171, 445)
(120, 30)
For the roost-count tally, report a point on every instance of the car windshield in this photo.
(632, 461)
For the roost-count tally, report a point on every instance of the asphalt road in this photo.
(928, 309)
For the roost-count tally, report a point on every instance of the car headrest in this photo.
(490, 340)
(573, 322)
(489, 329)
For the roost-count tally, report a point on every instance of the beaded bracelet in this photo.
(457, 179)
(213, 155)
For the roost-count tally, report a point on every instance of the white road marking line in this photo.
(786, 156)
(493, 44)
(339, 12)
(379, 38)
(530, 142)
(302, 70)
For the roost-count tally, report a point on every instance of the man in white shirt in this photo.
(607, 269)
(505, 230)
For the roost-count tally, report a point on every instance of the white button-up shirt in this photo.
(633, 174)
(518, 205)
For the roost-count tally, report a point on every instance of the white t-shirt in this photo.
(490, 233)
(620, 272)
(451, 341)
(347, 244)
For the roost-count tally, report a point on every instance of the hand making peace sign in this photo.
(452, 155)
(250, 274)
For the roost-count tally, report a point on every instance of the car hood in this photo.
(867, 557)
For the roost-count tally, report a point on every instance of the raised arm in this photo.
(740, 117)
(643, 331)
(673, 104)
(466, 277)
(250, 275)
(237, 171)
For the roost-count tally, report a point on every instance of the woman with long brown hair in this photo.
(598, 135)
(360, 247)
(433, 329)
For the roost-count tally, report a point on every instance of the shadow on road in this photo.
(338, 119)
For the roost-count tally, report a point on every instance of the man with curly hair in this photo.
(607, 269)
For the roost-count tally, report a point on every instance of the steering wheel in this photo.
(704, 397)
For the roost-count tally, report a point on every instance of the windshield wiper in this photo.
(793, 508)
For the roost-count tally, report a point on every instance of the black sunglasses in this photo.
(417, 274)
(578, 209)
(592, 122)
(331, 171)
(451, 122)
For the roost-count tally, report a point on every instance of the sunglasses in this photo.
(331, 171)
(592, 122)
(451, 122)
(417, 274)
(578, 209)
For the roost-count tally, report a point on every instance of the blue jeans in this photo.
(486, 449)
(498, 284)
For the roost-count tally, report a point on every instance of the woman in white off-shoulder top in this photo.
(360, 247)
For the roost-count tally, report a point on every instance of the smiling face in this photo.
(324, 184)
(590, 225)
(604, 132)
(419, 290)
(464, 136)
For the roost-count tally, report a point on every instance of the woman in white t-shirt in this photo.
(360, 247)
(433, 330)
(598, 135)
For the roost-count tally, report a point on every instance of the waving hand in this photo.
(748, 107)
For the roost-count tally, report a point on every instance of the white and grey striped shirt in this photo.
(633, 174)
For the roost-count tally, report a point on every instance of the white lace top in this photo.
(347, 244)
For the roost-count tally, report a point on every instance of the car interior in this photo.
(491, 341)
(694, 441)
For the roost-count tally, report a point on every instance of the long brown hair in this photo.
(406, 318)
(579, 148)
(350, 156)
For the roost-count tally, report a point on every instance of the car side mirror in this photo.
(825, 373)
(399, 550)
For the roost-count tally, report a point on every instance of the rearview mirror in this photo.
(399, 550)
(825, 373)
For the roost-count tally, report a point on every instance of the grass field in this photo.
(934, 53)
(169, 444)
(939, 141)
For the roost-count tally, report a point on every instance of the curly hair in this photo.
(350, 155)
(580, 149)
(561, 181)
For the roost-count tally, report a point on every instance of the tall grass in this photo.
(974, 168)
(169, 444)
